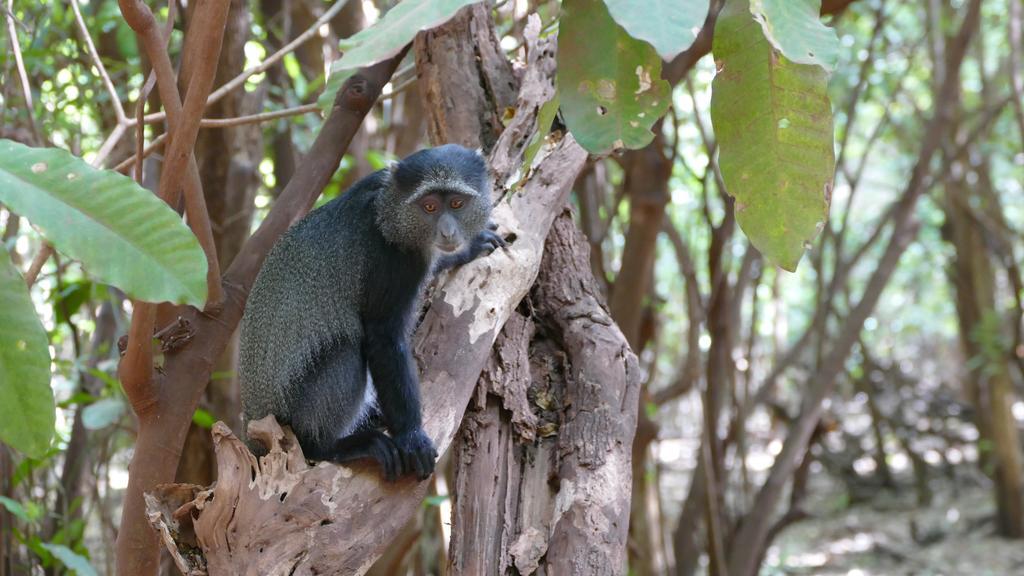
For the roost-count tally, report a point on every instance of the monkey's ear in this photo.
(479, 152)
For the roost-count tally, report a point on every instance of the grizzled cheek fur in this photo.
(473, 218)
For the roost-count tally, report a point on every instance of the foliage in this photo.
(609, 98)
(125, 236)
(769, 92)
(773, 120)
(26, 401)
(386, 38)
(794, 29)
(75, 562)
(670, 26)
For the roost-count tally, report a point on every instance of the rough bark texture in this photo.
(229, 169)
(465, 78)
(647, 173)
(543, 461)
(180, 384)
(592, 506)
(277, 515)
(987, 384)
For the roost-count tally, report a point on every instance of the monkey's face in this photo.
(438, 199)
(454, 217)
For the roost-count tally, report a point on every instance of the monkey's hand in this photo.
(487, 241)
(418, 453)
(484, 243)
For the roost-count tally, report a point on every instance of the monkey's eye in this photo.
(456, 203)
(430, 206)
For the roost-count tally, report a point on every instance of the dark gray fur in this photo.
(336, 298)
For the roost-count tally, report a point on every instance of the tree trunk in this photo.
(987, 383)
(229, 169)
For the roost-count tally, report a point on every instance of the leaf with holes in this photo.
(386, 38)
(26, 400)
(773, 121)
(123, 234)
(670, 26)
(609, 82)
(794, 28)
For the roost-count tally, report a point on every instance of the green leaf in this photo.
(434, 500)
(122, 233)
(545, 116)
(670, 26)
(610, 96)
(78, 563)
(102, 413)
(794, 28)
(26, 400)
(386, 38)
(15, 508)
(203, 419)
(773, 121)
(70, 299)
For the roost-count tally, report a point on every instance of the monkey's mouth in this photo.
(446, 247)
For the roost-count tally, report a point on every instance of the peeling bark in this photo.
(297, 514)
(543, 461)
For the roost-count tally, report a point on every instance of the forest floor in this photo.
(892, 536)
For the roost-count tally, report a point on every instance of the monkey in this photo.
(325, 336)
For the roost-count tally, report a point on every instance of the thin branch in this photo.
(223, 123)
(752, 534)
(261, 117)
(37, 264)
(207, 35)
(136, 367)
(157, 143)
(400, 88)
(94, 55)
(265, 65)
(26, 89)
(185, 374)
(1016, 76)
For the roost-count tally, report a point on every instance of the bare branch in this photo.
(258, 118)
(95, 57)
(37, 263)
(26, 89)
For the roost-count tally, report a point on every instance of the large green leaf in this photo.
(794, 27)
(122, 233)
(773, 121)
(609, 82)
(76, 562)
(26, 400)
(386, 38)
(670, 26)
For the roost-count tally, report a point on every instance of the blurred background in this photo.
(915, 464)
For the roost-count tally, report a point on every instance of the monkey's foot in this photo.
(418, 453)
(371, 444)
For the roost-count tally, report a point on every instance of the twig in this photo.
(140, 131)
(257, 118)
(400, 88)
(263, 66)
(157, 142)
(184, 122)
(37, 264)
(26, 90)
(1016, 76)
(114, 98)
